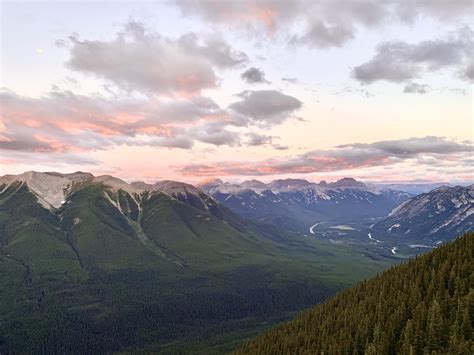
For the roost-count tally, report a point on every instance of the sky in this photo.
(189, 90)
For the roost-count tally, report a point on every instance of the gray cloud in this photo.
(290, 80)
(322, 24)
(323, 35)
(184, 110)
(214, 133)
(215, 49)
(256, 139)
(326, 24)
(264, 107)
(369, 13)
(178, 141)
(267, 14)
(413, 146)
(254, 76)
(280, 147)
(469, 72)
(415, 88)
(344, 157)
(141, 60)
(400, 61)
(410, 11)
(24, 143)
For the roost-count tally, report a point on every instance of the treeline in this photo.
(425, 306)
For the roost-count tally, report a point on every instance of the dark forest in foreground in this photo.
(425, 306)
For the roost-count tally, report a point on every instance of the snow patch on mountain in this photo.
(396, 225)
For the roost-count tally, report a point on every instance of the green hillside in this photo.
(425, 306)
(116, 271)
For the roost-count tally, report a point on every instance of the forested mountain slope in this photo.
(425, 306)
(95, 265)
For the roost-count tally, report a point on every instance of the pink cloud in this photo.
(84, 123)
(346, 157)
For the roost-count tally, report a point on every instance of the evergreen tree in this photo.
(407, 347)
(435, 341)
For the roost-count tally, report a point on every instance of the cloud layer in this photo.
(67, 123)
(321, 24)
(427, 150)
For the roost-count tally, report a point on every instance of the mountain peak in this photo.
(49, 187)
(117, 184)
(171, 187)
(347, 182)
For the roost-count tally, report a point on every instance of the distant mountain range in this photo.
(302, 206)
(297, 204)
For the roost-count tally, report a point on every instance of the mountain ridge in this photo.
(59, 181)
(436, 215)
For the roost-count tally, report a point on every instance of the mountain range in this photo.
(350, 210)
(297, 204)
(94, 264)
